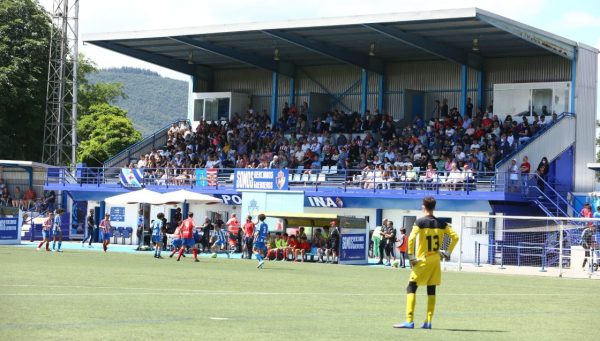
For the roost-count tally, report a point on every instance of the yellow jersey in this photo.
(428, 232)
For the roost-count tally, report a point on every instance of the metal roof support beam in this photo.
(545, 41)
(480, 90)
(463, 90)
(274, 98)
(363, 61)
(199, 71)
(281, 67)
(336, 99)
(381, 94)
(364, 90)
(440, 50)
(292, 94)
(573, 83)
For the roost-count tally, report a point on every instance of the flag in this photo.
(132, 177)
(201, 178)
(211, 176)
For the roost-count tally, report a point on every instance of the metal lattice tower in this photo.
(60, 134)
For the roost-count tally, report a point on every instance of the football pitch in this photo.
(96, 296)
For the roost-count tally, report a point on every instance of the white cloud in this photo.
(580, 20)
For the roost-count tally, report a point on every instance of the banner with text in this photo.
(9, 228)
(353, 247)
(261, 179)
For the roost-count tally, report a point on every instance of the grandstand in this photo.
(365, 114)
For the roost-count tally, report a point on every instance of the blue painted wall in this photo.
(561, 170)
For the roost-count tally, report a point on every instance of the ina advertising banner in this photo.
(353, 247)
(9, 228)
(261, 179)
(117, 214)
(132, 178)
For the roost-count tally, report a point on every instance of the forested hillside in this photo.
(152, 101)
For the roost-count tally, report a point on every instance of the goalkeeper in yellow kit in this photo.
(429, 233)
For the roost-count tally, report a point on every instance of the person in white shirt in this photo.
(455, 177)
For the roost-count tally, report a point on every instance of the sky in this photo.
(577, 20)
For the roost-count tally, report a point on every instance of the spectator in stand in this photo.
(17, 198)
(2, 184)
(513, 176)
(5, 198)
(543, 169)
(29, 197)
(586, 211)
(49, 200)
(525, 169)
(455, 178)
(319, 243)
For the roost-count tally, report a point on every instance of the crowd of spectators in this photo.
(25, 200)
(376, 148)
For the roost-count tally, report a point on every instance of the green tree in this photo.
(103, 132)
(24, 48)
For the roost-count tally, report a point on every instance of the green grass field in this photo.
(92, 295)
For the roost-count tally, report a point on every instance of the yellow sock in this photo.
(430, 307)
(410, 307)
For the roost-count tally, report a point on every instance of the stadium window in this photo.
(481, 227)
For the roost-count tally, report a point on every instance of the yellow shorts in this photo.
(427, 272)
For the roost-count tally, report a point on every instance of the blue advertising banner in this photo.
(117, 214)
(260, 179)
(353, 247)
(132, 177)
(78, 214)
(9, 228)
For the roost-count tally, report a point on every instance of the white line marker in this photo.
(219, 318)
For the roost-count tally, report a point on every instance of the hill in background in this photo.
(152, 101)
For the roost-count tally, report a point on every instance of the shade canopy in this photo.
(183, 195)
(142, 196)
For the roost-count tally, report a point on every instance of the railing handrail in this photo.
(539, 133)
(126, 151)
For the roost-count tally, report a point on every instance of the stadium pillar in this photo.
(274, 97)
(480, 90)
(185, 210)
(378, 217)
(292, 98)
(463, 89)
(364, 90)
(381, 93)
(102, 209)
(573, 82)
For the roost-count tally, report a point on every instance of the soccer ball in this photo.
(214, 255)
(396, 263)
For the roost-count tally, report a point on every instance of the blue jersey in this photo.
(57, 222)
(221, 235)
(156, 227)
(140, 220)
(261, 234)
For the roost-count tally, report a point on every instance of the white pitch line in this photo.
(219, 318)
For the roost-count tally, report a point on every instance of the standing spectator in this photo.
(381, 247)
(513, 177)
(525, 168)
(586, 211)
(542, 171)
(90, 229)
(334, 242)
(376, 239)
(403, 247)
(49, 200)
(588, 243)
(207, 228)
(248, 237)
(390, 241)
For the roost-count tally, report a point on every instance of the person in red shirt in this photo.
(248, 237)
(292, 246)
(302, 249)
(403, 247)
(187, 235)
(176, 241)
(235, 235)
(524, 169)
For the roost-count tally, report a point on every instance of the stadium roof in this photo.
(366, 41)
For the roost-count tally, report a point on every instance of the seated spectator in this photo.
(411, 177)
(292, 245)
(303, 248)
(17, 200)
(29, 197)
(320, 244)
(5, 198)
(455, 178)
(430, 176)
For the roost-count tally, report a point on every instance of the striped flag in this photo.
(131, 177)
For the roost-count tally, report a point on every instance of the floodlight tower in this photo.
(60, 133)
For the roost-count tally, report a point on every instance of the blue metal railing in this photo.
(539, 133)
(126, 153)
(346, 180)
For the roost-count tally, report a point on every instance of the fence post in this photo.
(502, 257)
(543, 269)
(460, 242)
(560, 250)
